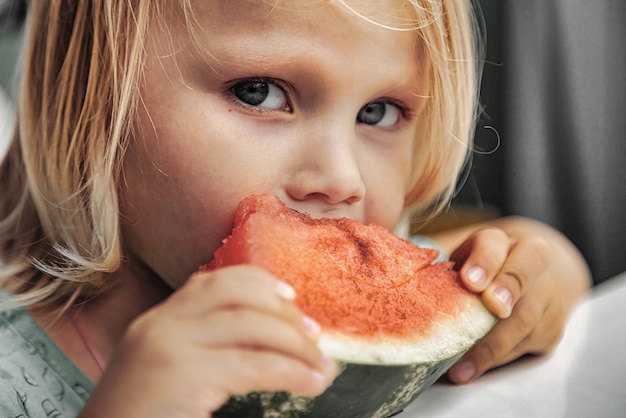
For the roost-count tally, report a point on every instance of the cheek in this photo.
(385, 207)
(181, 184)
(173, 216)
(386, 189)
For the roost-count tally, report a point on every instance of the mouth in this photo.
(321, 210)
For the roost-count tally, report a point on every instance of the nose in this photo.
(327, 168)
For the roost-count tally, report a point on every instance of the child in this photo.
(142, 124)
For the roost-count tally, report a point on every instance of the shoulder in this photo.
(34, 380)
(12, 400)
(18, 387)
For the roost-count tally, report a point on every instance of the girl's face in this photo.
(300, 99)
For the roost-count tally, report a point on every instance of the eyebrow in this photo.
(270, 55)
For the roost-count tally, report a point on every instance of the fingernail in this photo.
(320, 379)
(284, 290)
(504, 297)
(329, 363)
(463, 372)
(311, 326)
(476, 275)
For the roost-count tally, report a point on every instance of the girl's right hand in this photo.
(226, 332)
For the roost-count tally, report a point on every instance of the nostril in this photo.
(325, 187)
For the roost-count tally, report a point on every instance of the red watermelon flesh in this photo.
(372, 292)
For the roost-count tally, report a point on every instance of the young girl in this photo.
(142, 124)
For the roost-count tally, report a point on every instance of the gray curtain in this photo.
(554, 88)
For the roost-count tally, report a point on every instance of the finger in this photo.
(247, 328)
(267, 371)
(235, 286)
(198, 384)
(509, 339)
(481, 257)
(526, 262)
(541, 340)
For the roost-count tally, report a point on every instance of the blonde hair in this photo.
(451, 42)
(59, 220)
(59, 214)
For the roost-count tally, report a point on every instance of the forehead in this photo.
(226, 16)
(225, 13)
(228, 30)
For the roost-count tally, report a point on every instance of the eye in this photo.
(260, 93)
(379, 114)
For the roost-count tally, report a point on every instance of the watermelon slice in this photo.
(392, 318)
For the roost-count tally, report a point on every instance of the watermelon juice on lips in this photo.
(393, 320)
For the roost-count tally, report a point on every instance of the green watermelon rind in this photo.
(377, 387)
(397, 385)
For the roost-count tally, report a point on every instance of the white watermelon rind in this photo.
(446, 337)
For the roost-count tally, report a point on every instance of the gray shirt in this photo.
(36, 378)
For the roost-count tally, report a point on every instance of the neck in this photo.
(104, 319)
(136, 291)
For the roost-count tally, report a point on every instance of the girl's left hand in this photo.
(523, 281)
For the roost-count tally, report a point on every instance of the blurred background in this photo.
(11, 17)
(551, 142)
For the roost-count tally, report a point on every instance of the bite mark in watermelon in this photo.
(385, 307)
